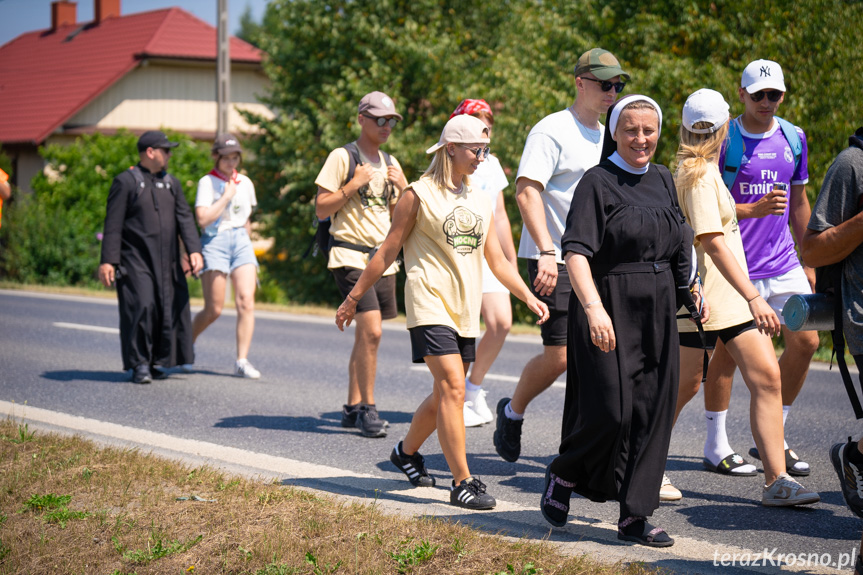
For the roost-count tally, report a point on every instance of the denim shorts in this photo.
(228, 250)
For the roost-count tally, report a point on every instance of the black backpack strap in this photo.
(353, 161)
(839, 350)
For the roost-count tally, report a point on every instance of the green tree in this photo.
(52, 235)
(518, 55)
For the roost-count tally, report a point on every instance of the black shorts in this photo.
(382, 295)
(692, 339)
(440, 340)
(553, 331)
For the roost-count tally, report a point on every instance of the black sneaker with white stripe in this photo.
(471, 494)
(413, 466)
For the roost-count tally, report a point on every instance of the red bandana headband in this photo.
(471, 107)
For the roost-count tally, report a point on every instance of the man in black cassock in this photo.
(146, 216)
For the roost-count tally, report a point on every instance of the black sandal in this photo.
(728, 464)
(790, 459)
(650, 536)
(554, 502)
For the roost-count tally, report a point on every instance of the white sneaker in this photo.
(471, 418)
(785, 492)
(245, 369)
(481, 407)
(668, 492)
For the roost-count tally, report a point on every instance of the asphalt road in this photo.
(62, 354)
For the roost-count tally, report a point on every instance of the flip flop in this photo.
(728, 465)
(790, 459)
(650, 536)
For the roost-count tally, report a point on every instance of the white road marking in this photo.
(495, 377)
(84, 327)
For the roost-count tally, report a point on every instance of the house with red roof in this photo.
(142, 71)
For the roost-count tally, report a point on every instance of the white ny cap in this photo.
(762, 74)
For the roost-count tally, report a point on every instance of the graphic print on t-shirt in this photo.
(375, 194)
(463, 230)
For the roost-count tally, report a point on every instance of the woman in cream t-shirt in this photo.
(443, 225)
(739, 317)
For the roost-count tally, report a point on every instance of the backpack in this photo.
(735, 149)
(828, 280)
(323, 240)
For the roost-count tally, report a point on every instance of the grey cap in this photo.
(378, 104)
(226, 144)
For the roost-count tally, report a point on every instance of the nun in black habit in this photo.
(146, 215)
(627, 249)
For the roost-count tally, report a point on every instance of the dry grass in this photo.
(118, 511)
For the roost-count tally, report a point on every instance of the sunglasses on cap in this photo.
(772, 95)
(606, 85)
(480, 153)
(381, 122)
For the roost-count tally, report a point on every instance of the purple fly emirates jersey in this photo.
(767, 159)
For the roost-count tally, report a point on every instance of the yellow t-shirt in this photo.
(443, 258)
(365, 218)
(709, 208)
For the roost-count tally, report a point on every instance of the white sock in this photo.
(470, 390)
(785, 410)
(716, 447)
(511, 414)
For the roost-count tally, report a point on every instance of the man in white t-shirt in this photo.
(360, 207)
(557, 153)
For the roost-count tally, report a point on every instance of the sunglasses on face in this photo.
(606, 85)
(381, 122)
(480, 153)
(772, 95)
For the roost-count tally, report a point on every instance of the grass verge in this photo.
(69, 506)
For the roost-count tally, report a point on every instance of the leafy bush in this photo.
(52, 236)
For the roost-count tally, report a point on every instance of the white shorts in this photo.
(490, 283)
(777, 290)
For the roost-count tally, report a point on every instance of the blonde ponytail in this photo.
(695, 153)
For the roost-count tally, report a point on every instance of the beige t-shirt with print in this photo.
(443, 258)
(365, 218)
(709, 208)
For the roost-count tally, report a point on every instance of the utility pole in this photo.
(223, 69)
(223, 85)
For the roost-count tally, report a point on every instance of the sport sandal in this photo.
(638, 530)
(554, 502)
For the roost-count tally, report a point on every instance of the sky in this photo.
(19, 16)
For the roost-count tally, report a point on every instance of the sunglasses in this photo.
(480, 153)
(772, 95)
(606, 85)
(381, 122)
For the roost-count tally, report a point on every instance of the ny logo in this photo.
(765, 71)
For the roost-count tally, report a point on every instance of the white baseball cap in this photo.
(462, 129)
(705, 105)
(763, 74)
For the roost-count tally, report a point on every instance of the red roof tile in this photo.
(48, 76)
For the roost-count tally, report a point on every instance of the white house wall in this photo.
(175, 97)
